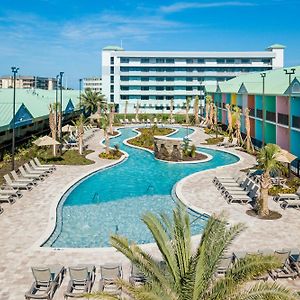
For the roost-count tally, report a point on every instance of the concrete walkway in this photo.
(25, 222)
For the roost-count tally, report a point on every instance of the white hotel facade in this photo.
(153, 78)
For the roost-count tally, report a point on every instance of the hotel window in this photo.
(189, 88)
(169, 97)
(144, 97)
(169, 78)
(259, 113)
(271, 116)
(124, 78)
(112, 79)
(245, 61)
(169, 88)
(160, 78)
(170, 60)
(221, 61)
(266, 60)
(124, 88)
(112, 98)
(159, 97)
(112, 89)
(124, 60)
(124, 97)
(160, 60)
(160, 88)
(144, 78)
(145, 60)
(283, 119)
(112, 70)
(189, 60)
(296, 122)
(230, 61)
(112, 60)
(144, 88)
(201, 61)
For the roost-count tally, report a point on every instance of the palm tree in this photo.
(186, 274)
(111, 107)
(268, 163)
(187, 109)
(105, 126)
(125, 109)
(79, 124)
(196, 110)
(54, 123)
(171, 110)
(89, 100)
(208, 101)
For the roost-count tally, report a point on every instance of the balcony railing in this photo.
(283, 119)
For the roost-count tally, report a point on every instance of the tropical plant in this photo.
(104, 122)
(54, 123)
(196, 110)
(208, 101)
(111, 107)
(267, 161)
(79, 124)
(90, 99)
(187, 109)
(125, 109)
(187, 274)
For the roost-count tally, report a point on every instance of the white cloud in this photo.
(179, 6)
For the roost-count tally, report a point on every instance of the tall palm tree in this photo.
(111, 107)
(54, 123)
(89, 100)
(187, 109)
(267, 161)
(187, 274)
(208, 101)
(79, 124)
(196, 110)
(105, 126)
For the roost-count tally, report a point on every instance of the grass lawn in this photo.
(145, 140)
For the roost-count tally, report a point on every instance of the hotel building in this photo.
(93, 83)
(28, 82)
(153, 78)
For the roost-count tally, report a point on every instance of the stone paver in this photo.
(23, 223)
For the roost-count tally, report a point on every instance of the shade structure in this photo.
(46, 141)
(68, 128)
(285, 156)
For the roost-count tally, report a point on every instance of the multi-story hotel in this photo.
(28, 82)
(153, 78)
(273, 98)
(93, 83)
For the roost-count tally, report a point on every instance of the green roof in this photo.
(113, 48)
(276, 46)
(36, 101)
(276, 82)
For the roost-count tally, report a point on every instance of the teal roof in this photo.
(37, 102)
(276, 46)
(113, 48)
(276, 82)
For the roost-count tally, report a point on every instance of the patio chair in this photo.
(33, 171)
(82, 278)
(133, 121)
(1, 210)
(121, 121)
(282, 197)
(155, 120)
(243, 197)
(290, 203)
(136, 276)
(46, 281)
(235, 186)
(16, 177)
(30, 175)
(110, 273)
(232, 144)
(127, 121)
(7, 198)
(17, 184)
(285, 270)
(6, 190)
(224, 264)
(233, 178)
(36, 167)
(51, 167)
(295, 259)
(149, 122)
(225, 142)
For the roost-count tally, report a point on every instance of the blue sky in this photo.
(43, 37)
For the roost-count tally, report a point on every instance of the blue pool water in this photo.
(114, 199)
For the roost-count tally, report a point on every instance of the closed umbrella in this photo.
(45, 141)
(68, 128)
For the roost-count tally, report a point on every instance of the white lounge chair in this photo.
(232, 144)
(7, 198)
(18, 178)
(225, 141)
(290, 203)
(30, 175)
(42, 169)
(51, 167)
(17, 184)
(6, 190)
(282, 197)
(33, 171)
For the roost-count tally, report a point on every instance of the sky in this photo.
(44, 37)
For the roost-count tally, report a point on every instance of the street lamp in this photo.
(61, 109)
(289, 73)
(14, 71)
(263, 75)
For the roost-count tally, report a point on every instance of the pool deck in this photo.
(24, 223)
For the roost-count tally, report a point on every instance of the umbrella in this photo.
(68, 128)
(45, 141)
(95, 116)
(285, 156)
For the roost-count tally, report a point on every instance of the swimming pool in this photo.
(114, 199)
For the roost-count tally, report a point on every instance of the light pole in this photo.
(56, 103)
(289, 73)
(14, 71)
(263, 75)
(61, 109)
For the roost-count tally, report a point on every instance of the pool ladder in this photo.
(150, 187)
(96, 197)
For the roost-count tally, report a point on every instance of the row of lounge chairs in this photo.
(82, 279)
(143, 121)
(288, 200)
(227, 144)
(26, 178)
(72, 141)
(239, 189)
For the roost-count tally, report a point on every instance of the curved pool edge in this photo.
(53, 208)
(178, 192)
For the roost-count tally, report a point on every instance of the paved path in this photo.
(23, 223)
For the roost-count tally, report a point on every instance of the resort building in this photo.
(153, 78)
(274, 103)
(31, 113)
(28, 82)
(93, 83)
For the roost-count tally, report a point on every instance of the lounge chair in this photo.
(121, 121)
(7, 198)
(133, 121)
(282, 197)
(243, 197)
(232, 144)
(285, 271)
(6, 190)
(240, 184)
(82, 278)
(127, 121)
(17, 184)
(136, 276)
(33, 171)
(35, 167)
(228, 179)
(30, 175)
(47, 280)
(295, 259)
(1, 210)
(149, 122)
(290, 203)
(51, 167)
(18, 178)
(155, 120)
(224, 264)
(109, 275)
(225, 141)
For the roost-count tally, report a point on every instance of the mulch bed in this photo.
(274, 215)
